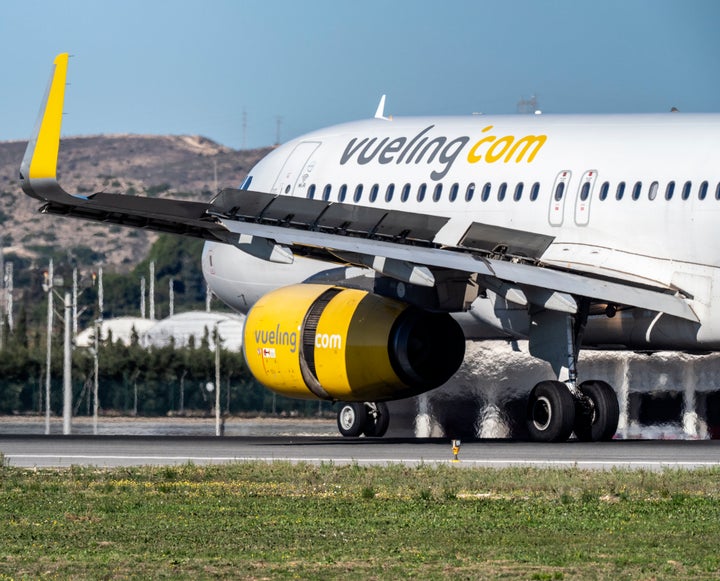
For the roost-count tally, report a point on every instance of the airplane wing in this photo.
(400, 244)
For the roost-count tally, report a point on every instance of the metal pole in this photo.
(49, 346)
(74, 303)
(152, 290)
(67, 369)
(101, 293)
(172, 297)
(96, 382)
(142, 297)
(218, 431)
(9, 294)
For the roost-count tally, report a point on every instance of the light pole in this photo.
(67, 368)
(48, 288)
(218, 427)
(96, 381)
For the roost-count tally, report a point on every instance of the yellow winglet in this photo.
(41, 155)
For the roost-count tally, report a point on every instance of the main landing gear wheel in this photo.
(598, 423)
(378, 420)
(550, 412)
(371, 419)
(351, 419)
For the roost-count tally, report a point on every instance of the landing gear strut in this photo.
(556, 409)
(369, 418)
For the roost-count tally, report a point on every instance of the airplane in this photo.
(366, 254)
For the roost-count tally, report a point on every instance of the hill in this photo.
(180, 166)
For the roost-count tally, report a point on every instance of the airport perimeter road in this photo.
(58, 451)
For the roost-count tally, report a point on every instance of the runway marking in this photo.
(654, 464)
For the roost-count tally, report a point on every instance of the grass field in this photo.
(277, 521)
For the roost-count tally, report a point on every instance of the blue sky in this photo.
(194, 66)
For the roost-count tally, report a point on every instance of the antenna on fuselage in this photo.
(380, 112)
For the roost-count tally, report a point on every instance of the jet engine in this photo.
(318, 341)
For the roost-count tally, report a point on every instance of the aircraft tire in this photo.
(601, 424)
(550, 412)
(378, 420)
(352, 419)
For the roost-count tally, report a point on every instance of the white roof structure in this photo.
(184, 325)
(179, 327)
(121, 329)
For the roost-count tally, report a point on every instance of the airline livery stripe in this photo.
(45, 155)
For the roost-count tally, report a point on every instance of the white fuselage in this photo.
(630, 197)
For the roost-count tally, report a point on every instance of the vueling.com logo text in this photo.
(442, 151)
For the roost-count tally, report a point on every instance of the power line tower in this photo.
(279, 121)
(528, 106)
(244, 128)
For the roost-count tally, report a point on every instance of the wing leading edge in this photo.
(328, 230)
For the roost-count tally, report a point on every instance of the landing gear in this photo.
(556, 409)
(553, 412)
(598, 421)
(351, 418)
(369, 418)
(378, 420)
(550, 412)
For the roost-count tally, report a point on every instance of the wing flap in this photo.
(163, 215)
(522, 274)
(508, 241)
(328, 216)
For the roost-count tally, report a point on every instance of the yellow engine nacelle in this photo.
(318, 341)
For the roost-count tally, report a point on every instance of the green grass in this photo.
(258, 520)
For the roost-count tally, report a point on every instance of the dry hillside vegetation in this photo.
(180, 166)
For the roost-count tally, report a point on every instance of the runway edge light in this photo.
(456, 450)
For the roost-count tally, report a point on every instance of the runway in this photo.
(113, 451)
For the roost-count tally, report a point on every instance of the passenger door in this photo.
(584, 197)
(294, 173)
(557, 198)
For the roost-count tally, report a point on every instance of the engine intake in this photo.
(319, 341)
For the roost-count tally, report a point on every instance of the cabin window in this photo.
(470, 192)
(687, 186)
(717, 191)
(584, 191)
(405, 194)
(534, 191)
(501, 191)
(669, 190)
(620, 191)
(652, 192)
(358, 193)
(604, 189)
(454, 192)
(559, 191)
(637, 188)
(486, 192)
(518, 192)
(326, 192)
(389, 192)
(702, 192)
(311, 192)
(342, 192)
(421, 192)
(437, 193)
(374, 192)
